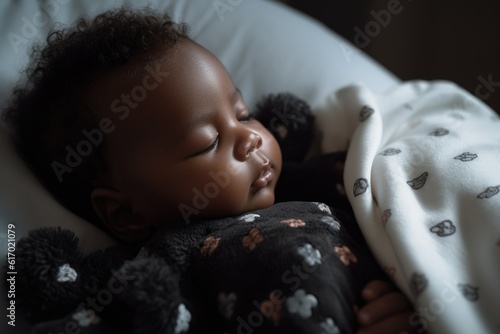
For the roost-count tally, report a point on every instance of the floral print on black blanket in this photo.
(290, 268)
(300, 303)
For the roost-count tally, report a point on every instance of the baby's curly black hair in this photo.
(46, 115)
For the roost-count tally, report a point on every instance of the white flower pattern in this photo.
(301, 303)
(66, 274)
(311, 256)
(330, 327)
(86, 317)
(323, 207)
(331, 221)
(249, 217)
(183, 319)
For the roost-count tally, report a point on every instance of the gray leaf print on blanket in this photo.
(418, 283)
(444, 228)
(466, 156)
(365, 112)
(390, 151)
(360, 186)
(439, 132)
(489, 192)
(470, 292)
(419, 181)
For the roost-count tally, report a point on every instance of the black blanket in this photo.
(290, 268)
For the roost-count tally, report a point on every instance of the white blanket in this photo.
(423, 177)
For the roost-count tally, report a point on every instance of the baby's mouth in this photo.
(265, 177)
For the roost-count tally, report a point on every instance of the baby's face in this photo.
(184, 146)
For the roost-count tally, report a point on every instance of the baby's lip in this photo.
(265, 176)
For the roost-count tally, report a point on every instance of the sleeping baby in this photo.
(138, 129)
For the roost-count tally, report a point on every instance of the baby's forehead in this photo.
(127, 82)
(184, 77)
(144, 71)
(130, 73)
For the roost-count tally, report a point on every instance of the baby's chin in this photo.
(263, 199)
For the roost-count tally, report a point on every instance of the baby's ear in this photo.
(116, 211)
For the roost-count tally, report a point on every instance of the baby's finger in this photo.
(383, 307)
(376, 289)
(394, 325)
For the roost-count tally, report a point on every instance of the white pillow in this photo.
(266, 47)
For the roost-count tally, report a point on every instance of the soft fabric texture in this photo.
(290, 120)
(289, 268)
(422, 177)
(266, 47)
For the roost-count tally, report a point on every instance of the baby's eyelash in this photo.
(211, 147)
(206, 150)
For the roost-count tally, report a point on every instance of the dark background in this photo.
(430, 40)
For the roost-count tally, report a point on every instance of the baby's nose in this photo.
(251, 143)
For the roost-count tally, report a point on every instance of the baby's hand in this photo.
(386, 310)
